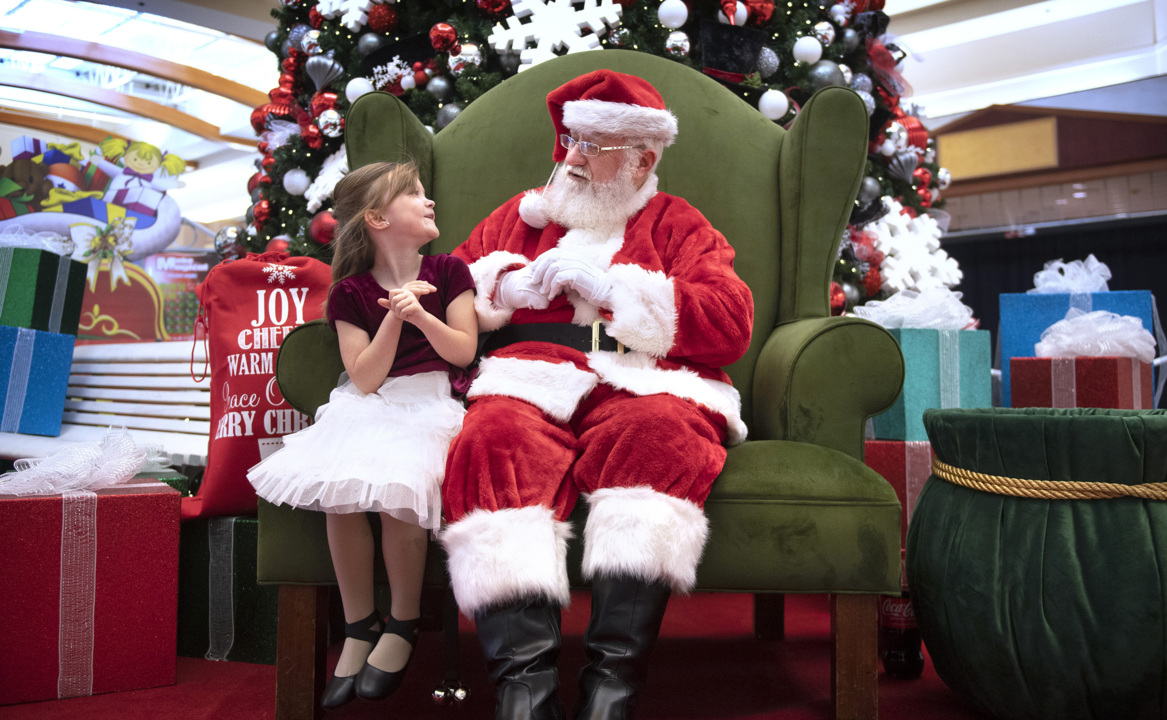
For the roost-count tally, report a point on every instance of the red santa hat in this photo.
(604, 102)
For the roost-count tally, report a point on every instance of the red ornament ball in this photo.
(315, 19)
(264, 179)
(838, 299)
(267, 163)
(277, 244)
(495, 7)
(443, 37)
(312, 136)
(259, 119)
(420, 78)
(252, 183)
(925, 196)
(262, 146)
(909, 211)
(322, 227)
(322, 101)
(872, 282)
(382, 18)
(261, 212)
(923, 176)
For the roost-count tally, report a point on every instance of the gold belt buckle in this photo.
(596, 339)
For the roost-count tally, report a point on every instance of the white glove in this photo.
(516, 290)
(555, 272)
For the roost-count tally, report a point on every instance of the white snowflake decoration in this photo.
(385, 75)
(281, 273)
(331, 172)
(554, 25)
(353, 13)
(913, 259)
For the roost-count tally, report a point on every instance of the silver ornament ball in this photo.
(331, 123)
(310, 43)
(370, 43)
(868, 101)
(825, 32)
(768, 62)
(846, 70)
(677, 44)
(943, 178)
(869, 190)
(851, 293)
(850, 41)
(447, 113)
(861, 83)
(824, 73)
(509, 60)
(297, 32)
(441, 87)
(229, 242)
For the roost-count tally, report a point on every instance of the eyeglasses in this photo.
(591, 149)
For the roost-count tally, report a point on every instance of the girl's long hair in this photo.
(369, 188)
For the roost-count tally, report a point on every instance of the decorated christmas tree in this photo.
(438, 56)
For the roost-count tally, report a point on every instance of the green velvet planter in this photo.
(1038, 608)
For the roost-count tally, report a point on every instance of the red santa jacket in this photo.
(677, 306)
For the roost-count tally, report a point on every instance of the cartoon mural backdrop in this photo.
(113, 206)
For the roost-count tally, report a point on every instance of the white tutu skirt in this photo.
(379, 452)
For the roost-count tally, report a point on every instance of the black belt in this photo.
(572, 336)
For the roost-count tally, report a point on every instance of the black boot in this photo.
(521, 643)
(626, 618)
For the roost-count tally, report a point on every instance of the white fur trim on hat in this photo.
(533, 209)
(602, 117)
(646, 534)
(501, 556)
(554, 388)
(639, 374)
(486, 271)
(644, 309)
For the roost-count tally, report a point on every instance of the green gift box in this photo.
(40, 290)
(223, 614)
(942, 369)
(171, 477)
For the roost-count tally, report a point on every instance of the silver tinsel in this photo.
(768, 62)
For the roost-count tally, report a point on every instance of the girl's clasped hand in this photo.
(403, 301)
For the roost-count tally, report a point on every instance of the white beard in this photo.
(603, 207)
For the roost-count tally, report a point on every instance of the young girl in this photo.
(404, 321)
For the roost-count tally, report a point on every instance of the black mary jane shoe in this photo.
(376, 684)
(341, 690)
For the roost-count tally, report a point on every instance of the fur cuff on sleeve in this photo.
(486, 271)
(644, 309)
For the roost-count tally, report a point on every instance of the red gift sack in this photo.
(247, 307)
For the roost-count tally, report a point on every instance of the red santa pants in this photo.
(513, 476)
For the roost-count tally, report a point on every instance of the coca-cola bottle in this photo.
(899, 639)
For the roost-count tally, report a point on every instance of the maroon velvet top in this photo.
(354, 300)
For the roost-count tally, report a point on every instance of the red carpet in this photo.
(706, 665)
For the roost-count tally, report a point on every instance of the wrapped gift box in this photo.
(40, 290)
(942, 369)
(34, 374)
(1025, 316)
(26, 146)
(88, 592)
(1087, 382)
(223, 613)
(139, 199)
(102, 211)
(906, 465)
(13, 199)
(95, 178)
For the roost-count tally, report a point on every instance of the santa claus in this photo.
(614, 307)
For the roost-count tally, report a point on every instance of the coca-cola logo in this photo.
(897, 612)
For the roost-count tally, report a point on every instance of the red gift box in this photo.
(906, 465)
(1085, 382)
(88, 592)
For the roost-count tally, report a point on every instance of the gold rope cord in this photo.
(1045, 489)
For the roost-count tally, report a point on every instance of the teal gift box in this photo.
(40, 290)
(34, 374)
(223, 613)
(1025, 316)
(942, 369)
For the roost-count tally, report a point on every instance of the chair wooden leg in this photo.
(855, 656)
(769, 616)
(301, 651)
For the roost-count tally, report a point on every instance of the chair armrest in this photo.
(818, 379)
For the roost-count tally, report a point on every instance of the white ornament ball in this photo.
(740, 14)
(672, 13)
(357, 87)
(407, 82)
(888, 148)
(840, 13)
(773, 104)
(296, 181)
(808, 50)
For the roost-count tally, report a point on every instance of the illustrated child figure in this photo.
(142, 161)
(405, 323)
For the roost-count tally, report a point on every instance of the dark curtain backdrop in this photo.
(1134, 250)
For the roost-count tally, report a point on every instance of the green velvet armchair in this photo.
(795, 510)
